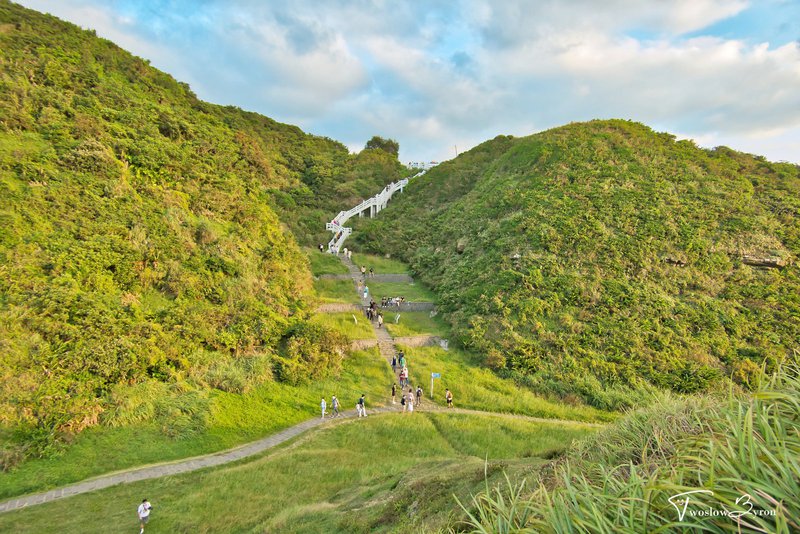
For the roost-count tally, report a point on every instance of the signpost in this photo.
(434, 375)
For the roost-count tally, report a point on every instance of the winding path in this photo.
(387, 349)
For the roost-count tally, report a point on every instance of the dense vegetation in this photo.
(141, 239)
(742, 452)
(603, 259)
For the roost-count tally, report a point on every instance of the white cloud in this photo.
(443, 73)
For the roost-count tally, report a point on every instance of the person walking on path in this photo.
(380, 319)
(419, 396)
(334, 406)
(366, 292)
(449, 398)
(410, 400)
(394, 393)
(323, 405)
(363, 272)
(394, 364)
(144, 514)
(349, 254)
(371, 273)
(360, 407)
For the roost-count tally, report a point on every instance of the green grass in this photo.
(355, 476)
(412, 292)
(344, 323)
(336, 291)
(414, 324)
(324, 263)
(234, 419)
(479, 388)
(379, 264)
(622, 478)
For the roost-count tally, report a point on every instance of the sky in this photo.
(441, 76)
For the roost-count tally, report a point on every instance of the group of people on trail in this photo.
(360, 407)
(373, 314)
(392, 301)
(334, 407)
(364, 272)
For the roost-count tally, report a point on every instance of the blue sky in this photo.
(441, 75)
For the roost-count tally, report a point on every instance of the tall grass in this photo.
(414, 323)
(380, 265)
(336, 291)
(353, 325)
(743, 452)
(481, 389)
(324, 263)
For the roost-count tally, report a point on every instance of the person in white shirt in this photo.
(323, 405)
(144, 514)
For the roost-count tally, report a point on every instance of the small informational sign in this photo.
(434, 375)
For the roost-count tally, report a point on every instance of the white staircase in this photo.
(374, 205)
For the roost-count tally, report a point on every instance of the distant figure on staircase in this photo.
(323, 405)
(366, 292)
(335, 405)
(349, 254)
(363, 272)
(380, 319)
(321, 248)
(345, 251)
(394, 366)
(371, 272)
(394, 393)
(419, 395)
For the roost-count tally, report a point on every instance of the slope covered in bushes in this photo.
(140, 235)
(602, 259)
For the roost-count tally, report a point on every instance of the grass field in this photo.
(324, 263)
(379, 264)
(479, 388)
(344, 323)
(233, 419)
(355, 476)
(336, 291)
(412, 292)
(414, 324)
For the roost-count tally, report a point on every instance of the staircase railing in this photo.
(374, 204)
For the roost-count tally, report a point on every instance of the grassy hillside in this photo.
(144, 239)
(740, 453)
(386, 473)
(603, 259)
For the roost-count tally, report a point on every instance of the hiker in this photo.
(410, 401)
(345, 251)
(366, 291)
(394, 393)
(349, 254)
(323, 405)
(394, 367)
(321, 248)
(380, 319)
(449, 398)
(403, 402)
(360, 408)
(335, 406)
(402, 360)
(371, 273)
(363, 272)
(144, 514)
(419, 395)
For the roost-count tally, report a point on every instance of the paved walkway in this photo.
(387, 349)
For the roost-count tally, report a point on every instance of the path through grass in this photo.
(376, 466)
(233, 419)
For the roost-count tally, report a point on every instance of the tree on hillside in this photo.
(387, 145)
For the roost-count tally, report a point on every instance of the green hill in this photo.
(602, 259)
(144, 238)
